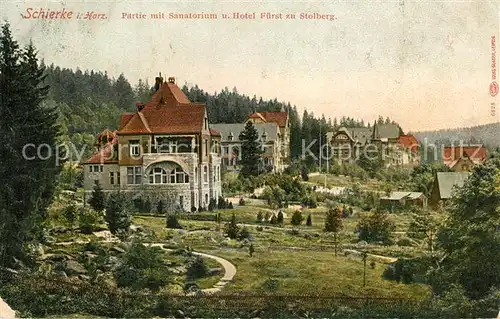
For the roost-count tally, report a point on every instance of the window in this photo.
(205, 145)
(206, 199)
(166, 145)
(181, 201)
(196, 174)
(205, 174)
(230, 136)
(134, 175)
(158, 176)
(112, 178)
(118, 178)
(134, 147)
(177, 175)
(95, 168)
(206, 123)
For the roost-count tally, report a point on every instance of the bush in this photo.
(376, 227)
(118, 215)
(196, 268)
(160, 207)
(230, 205)
(212, 205)
(260, 217)
(231, 229)
(193, 209)
(267, 217)
(242, 202)
(273, 220)
(221, 203)
(88, 219)
(243, 234)
(279, 218)
(297, 218)
(172, 221)
(70, 213)
(309, 220)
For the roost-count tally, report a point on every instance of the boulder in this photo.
(214, 271)
(73, 267)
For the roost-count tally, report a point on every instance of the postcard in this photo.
(270, 159)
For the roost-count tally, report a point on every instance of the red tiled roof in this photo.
(257, 115)
(475, 153)
(409, 141)
(168, 112)
(277, 117)
(124, 119)
(214, 132)
(104, 155)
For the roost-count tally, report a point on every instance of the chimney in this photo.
(171, 80)
(139, 106)
(158, 82)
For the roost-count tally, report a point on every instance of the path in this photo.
(229, 269)
(5, 311)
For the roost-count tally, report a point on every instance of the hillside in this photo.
(488, 134)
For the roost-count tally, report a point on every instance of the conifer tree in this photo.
(97, 200)
(28, 179)
(250, 151)
(333, 223)
(118, 215)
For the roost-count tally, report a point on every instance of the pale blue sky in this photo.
(424, 63)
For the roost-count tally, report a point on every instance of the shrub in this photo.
(242, 202)
(160, 207)
(193, 209)
(88, 219)
(172, 221)
(221, 203)
(230, 205)
(98, 199)
(231, 229)
(273, 220)
(309, 220)
(297, 218)
(267, 216)
(259, 228)
(118, 215)
(260, 217)
(243, 234)
(70, 213)
(212, 205)
(375, 227)
(197, 268)
(279, 219)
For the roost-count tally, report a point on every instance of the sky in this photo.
(425, 64)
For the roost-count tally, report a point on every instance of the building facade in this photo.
(386, 140)
(462, 158)
(164, 151)
(274, 136)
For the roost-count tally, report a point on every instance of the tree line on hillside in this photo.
(482, 134)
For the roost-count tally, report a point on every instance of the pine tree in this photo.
(279, 219)
(118, 215)
(297, 218)
(28, 179)
(333, 223)
(309, 220)
(97, 200)
(250, 151)
(232, 230)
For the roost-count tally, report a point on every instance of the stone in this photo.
(214, 271)
(74, 267)
(118, 249)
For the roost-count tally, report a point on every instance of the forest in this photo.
(90, 101)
